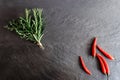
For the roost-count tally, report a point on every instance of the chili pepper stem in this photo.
(107, 77)
(40, 45)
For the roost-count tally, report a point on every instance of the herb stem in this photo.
(40, 45)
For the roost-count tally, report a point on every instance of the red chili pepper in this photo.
(84, 66)
(105, 63)
(94, 47)
(102, 65)
(105, 53)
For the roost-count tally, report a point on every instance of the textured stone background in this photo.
(71, 26)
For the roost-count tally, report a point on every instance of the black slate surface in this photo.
(70, 28)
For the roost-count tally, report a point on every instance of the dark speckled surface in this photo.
(70, 28)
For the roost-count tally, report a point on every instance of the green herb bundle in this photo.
(29, 27)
